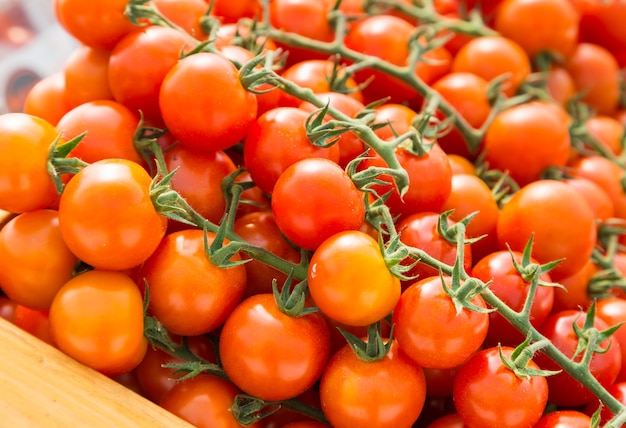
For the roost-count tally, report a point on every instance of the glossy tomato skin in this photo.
(384, 393)
(100, 24)
(420, 231)
(528, 138)
(605, 367)
(106, 216)
(260, 229)
(47, 98)
(203, 103)
(204, 401)
(97, 318)
(110, 131)
(569, 231)
(34, 260)
(520, 401)
(564, 419)
(25, 184)
(510, 287)
(198, 178)
(490, 57)
(189, 294)
(272, 355)
(86, 72)
(430, 180)
(349, 280)
(304, 202)
(539, 26)
(276, 141)
(139, 63)
(421, 311)
(612, 310)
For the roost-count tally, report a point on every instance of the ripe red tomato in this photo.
(204, 401)
(198, 178)
(231, 11)
(421, 311)
(601, 23)
(138, 64)
(350, 146)
(605, 366)
(99, 24)
(613, 311)
(564, 419)
(86, 72)
(97, 318)
(528, 138)
(396, 118)
(386, 393)
(510, 287)
(349, 280)
(272, 355)
(539, 26)
(186, 14)
(430, 180)
(520, 401)
(596, 74)
(617, 390)
(34, 260)
(106, 215)
(387, 37)
(277, 140)
(568, 233)
(189, 294)
(304, 202)
(490, 57)
(467, 93)
(25, 184)
(218, 110)
(575, 295)
(110, 128)
(420, 231)
(598, 199)
(47, 98)
(607, 131)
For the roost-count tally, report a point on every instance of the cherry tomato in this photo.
(198, 178)
(508, 284)
(598, 199)
(560, 85)
(421, 311)
(47, 99)
(528, 138)
(420, 231)
(35, 322)
(604, 366)
(397, 119)
(34, 260)
(613, 311)
(186, 14)
(471, 195)
(86, 72)
(539, 26)
(575, 294)
(97, 318)
(568, 233)
(384, 393)
(430, 180)
(25, 184)
(491, 57)
(277, 140)
(138, 64)
(189, 294)
(387, 37)
(99, 24)
(349, 280)
(106, 216)
(304, 202)
(204, 401)
(231, 11)
(218, 111)
(272, 355)
(467, 94)
(564, 419)
(452, 420)
(607, 131)
(520, 401)
(596, 74)
(110, 128)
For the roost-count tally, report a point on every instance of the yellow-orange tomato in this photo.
(97, 319)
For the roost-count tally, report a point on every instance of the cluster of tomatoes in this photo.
(307, 213)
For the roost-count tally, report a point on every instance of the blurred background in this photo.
(32, 45)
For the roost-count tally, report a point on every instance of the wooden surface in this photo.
(42, 387)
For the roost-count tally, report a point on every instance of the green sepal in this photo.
(247, 409)
(374, 349)
(521, 356)
(292, 301)
(190, 369)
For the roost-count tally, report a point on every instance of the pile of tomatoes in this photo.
(312, 213)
